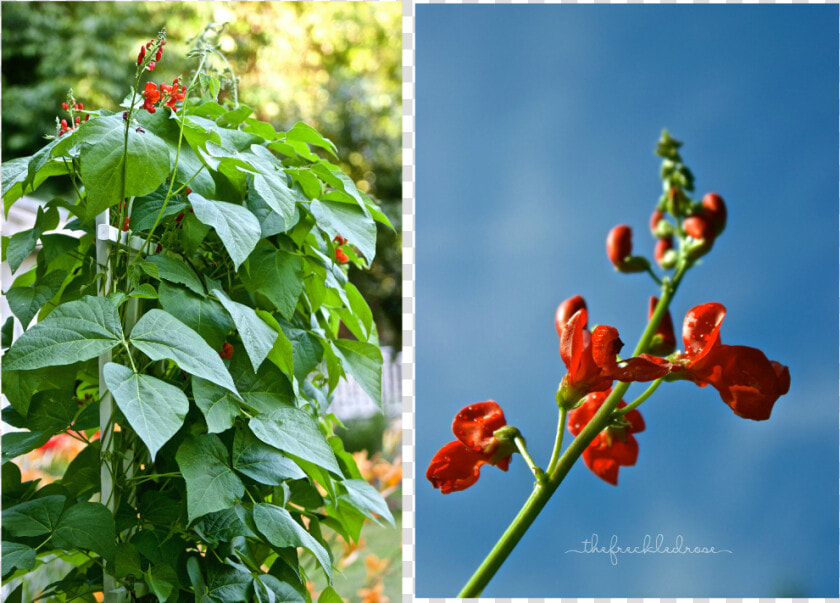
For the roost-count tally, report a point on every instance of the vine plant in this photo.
(190, 338)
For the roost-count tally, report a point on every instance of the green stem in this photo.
(542, 491)
(558, 439)
(647, 394)
(539, 474)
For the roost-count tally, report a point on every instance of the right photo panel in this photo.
(626, 301)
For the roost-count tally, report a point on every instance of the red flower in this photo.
(340, 240)
(125, 224)
(456, 466)
(655, 217)
(151, 95)
(614, 446)
(662, 245)
(745, 379)
(591, 360)
(664, 341)
(699, 227)
(65, 106)
(142, 55)
(566, 310)
(227, 351)
(341, 256)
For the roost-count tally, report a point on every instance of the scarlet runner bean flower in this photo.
(615, 446)
(715, 211)
(566, 310)
(662, 246)
(456, 466)
(227, 351)
(341, 256)
(745, 379)
(151, 95)
(591, 360)
(619, 248)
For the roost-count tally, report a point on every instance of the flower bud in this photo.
(619, 244)
(715, 211)
(655, 217)
(697, 227)
(662, 245)
(151, 66)
(65, 106)
(664, 341)
(566, 310)
(125, 224)
(142, 55)
(669, 259)
(341, 256)
(663, 229)
(159, 54)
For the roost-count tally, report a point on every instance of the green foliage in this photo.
(213, 322)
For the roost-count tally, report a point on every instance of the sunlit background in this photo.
(335, 66)
(536, 127)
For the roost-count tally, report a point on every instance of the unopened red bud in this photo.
(81, 106)
(158, 248)
(715, 211)
(655, 217)
(566, 310)
(142, 55)
(65, 106)
(163, 42)
(149, 44)
(64, 123)
(188, 189)
(158, 54)
(87, 117)
(151, 66)
(125, 224)
(699, 228)
(78, 120)
(664, 341)
(662, 245)
(619, 244)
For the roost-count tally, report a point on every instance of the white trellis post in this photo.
(107, 235)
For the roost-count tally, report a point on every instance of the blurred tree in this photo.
(336, 66)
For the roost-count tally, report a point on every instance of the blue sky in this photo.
(535, 130)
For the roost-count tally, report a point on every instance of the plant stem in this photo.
(557, 471)
(558, 440)
(647, 394)
(539, 474)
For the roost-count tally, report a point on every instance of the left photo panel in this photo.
(201, 301)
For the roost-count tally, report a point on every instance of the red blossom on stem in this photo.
(745, 379)
(340, 256)
(615, 446)
(591, 360)
(227, 351)
(566, 310)
(125, 224)
(456, 466)
(715, 211)
(151, 95)
(662, 245)
(619, 244)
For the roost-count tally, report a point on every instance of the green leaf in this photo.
(174, 271)
(154, 409)
(306, 133)
(237, 227)
(33, 517)
(330, 596)
(306, 348)
(20, 246)
(26, 301)
(229, 584)
(271, 222)
(233, 118)
(257, 337)
(276, 274)
(127, 561)
(217, 404)
(271, 190)
(19, 386)
(261, 462)
(211, 483)
(17, 556)
(367, 499)
(282, 353)
(281, 530)
(75, 331)
(15, 443)
(160, 335)
(339, 181)
(269, 589)
(89, 526)
(161, 580)
(7, 332)
(295, 432)
(264, 390)
(104, 161)
(359, 307)
(203, 315)
(363, 361)
(145, 210)
(346, 220)
(51, 411)
(144, 291)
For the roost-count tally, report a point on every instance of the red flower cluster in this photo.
(63, 126)
(341, 256)
(456, 466)
(746, 380)
(615, 446)
(591, 357)
(141, 57)
(173, 94)
(227, 351)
